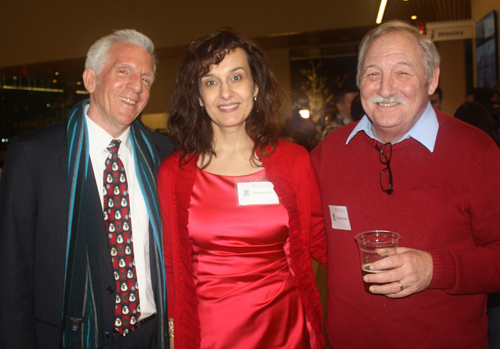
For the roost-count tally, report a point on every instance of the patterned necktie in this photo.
(119, 228)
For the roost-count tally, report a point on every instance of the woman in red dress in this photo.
(241, 209)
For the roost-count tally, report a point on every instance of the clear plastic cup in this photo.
(373, 246)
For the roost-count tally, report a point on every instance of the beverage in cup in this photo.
(373, 246)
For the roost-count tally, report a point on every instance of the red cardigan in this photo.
(290, 170)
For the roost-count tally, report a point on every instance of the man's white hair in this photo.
(429, 50)
(98, 54)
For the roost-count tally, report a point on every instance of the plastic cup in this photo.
(373, 246)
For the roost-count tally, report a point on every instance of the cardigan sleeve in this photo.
(317, 236)
(175, 187)
(477, 270)
(295, 160)
(166, 203)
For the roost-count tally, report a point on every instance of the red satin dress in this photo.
(246, 292)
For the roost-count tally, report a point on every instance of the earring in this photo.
(255, 98)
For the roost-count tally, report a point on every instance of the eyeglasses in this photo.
(386, 173)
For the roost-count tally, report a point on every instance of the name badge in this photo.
(256, 193)
(340, 217)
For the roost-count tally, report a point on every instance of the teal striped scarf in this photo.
(83, 324)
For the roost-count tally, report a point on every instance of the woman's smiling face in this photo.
(228, 91)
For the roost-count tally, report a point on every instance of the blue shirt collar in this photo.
(424, 131)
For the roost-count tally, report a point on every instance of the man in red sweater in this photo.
(408, 168)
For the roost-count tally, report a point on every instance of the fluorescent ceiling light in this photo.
(381, 11)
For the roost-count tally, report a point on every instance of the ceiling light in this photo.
(381, 11)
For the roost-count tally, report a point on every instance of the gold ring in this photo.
(401, 285)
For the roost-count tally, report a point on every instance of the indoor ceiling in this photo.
(428, 10)
(425, 10)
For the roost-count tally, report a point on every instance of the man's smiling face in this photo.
(121, 90)
(394, 90)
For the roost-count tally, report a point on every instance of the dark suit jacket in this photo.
(33, 234)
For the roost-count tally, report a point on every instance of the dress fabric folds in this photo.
(246, 292)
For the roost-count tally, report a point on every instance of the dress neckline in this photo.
(229, 176)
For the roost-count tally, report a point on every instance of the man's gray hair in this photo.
(429, 50)
(98, 54)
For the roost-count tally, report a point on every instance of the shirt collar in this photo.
(99, 139)
(424, 131)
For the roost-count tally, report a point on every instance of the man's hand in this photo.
(411, 272)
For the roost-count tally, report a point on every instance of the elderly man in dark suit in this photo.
(80, 232)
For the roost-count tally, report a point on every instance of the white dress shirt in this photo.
(99, 140)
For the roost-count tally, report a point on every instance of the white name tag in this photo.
(340, 217)
(256, 193)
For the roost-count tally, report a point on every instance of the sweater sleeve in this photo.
(477, 270)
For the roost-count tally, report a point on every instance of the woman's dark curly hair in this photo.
(188, 124)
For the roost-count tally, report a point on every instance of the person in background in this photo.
(342, 99)
(407, 168)
(241, 208)
(481, 95)
(495, 103)
(486, 97)
(477, 115)
(77, 270)
(436, 98)
(357, 111)
(303, 131)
